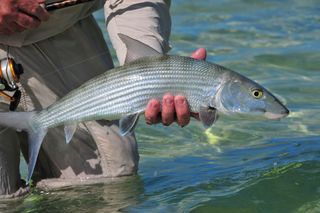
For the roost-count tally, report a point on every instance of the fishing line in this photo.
(63, 4)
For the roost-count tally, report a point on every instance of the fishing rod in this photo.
(10, 71)
(63, 4)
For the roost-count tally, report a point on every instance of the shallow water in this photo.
(238, 165)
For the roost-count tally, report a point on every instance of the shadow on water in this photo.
(110, 195)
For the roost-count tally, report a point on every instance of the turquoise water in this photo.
(238, 165)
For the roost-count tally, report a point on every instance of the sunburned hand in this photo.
(19, 15)
(174, 108)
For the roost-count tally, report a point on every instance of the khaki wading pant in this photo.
(61, 63)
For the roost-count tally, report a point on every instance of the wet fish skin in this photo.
(125, 91)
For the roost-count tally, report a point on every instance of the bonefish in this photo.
(123, 93)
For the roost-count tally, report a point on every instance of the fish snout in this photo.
(283, 113)
(276, 110)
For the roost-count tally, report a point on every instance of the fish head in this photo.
(240, 95)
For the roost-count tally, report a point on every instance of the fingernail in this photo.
(180, 101)
(152, 106)
(168, 102)
(196, 53)
(155, 106)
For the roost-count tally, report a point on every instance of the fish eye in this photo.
(257, 93)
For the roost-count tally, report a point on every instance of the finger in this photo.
(5, 26)
(6, 31)
(16, 27)
(152, 113)
(35, 10)
(26, 21)
(41, 1)
(42, 14)
(182, 110)
(167, 113)
(199, 54)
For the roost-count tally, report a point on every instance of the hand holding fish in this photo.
(19, 15)
(172, 105)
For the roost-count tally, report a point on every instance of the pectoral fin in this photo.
(69, 131)
(128, 123)
(136, 49)
(208, 116)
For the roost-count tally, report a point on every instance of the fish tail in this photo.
(25, 121)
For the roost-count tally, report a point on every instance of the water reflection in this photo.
(282, 168)
(92, 195)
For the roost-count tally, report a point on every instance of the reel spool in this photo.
(10, 73)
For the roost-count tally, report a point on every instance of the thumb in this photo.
(199, 54)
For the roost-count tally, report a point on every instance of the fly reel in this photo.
(10, 73)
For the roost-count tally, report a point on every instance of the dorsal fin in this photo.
(136, 49)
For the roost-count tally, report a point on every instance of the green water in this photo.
(238, 165)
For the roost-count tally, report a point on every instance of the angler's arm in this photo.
(17, 16)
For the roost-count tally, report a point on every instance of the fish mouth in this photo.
(278, 112)
(274, 116)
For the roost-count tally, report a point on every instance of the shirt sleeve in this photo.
(146, 21)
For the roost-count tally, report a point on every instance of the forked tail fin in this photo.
(23, 121)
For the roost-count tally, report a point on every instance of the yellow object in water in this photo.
(212, 139)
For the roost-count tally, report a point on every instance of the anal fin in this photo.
(69, 131)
